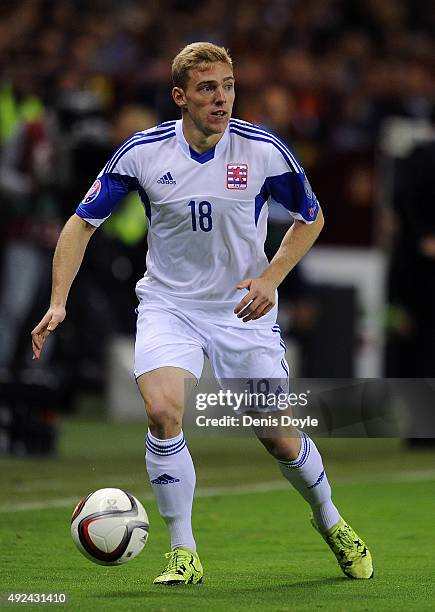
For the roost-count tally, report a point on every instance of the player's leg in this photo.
(305, 471)
(170, 468)
(168, 461)
(260, 354)
(301, 464)
(167, 363)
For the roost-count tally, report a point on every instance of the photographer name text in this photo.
(246, 420)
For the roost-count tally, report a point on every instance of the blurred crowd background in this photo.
(348, 84)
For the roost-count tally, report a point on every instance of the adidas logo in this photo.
(165, 479)
(167, 179)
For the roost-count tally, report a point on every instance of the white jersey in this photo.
(207, 212)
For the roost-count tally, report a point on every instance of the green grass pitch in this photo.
(256, 544)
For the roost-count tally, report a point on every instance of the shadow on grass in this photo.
(211, 588)
(147, 588)
(282, 586)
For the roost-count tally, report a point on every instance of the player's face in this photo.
(209, 97)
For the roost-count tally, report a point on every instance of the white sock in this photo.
(172, 475)
(307, 474)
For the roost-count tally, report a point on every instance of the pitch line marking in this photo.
(261, 487)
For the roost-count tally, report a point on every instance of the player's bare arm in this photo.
(67, 259)
(260, 298)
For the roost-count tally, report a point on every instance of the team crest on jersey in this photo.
(92, 193)
(237, 176)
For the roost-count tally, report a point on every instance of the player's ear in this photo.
(179, 97)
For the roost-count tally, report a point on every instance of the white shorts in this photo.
(166, 335)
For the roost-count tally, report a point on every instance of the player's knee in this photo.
(163, 417)
(164, 412)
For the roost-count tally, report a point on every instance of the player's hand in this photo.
(48, 324)
(259, 300)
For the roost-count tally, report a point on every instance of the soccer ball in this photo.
(109, 526)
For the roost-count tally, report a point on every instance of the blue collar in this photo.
(201, 158)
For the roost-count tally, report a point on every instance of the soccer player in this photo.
(205, 182)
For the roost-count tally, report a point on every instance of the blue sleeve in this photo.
(104, 195)
(293, 191)
(287, 184)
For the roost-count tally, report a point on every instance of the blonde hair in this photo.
(197, 56)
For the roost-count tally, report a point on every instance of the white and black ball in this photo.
(109, 526)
